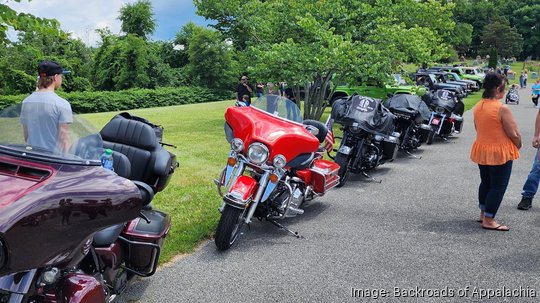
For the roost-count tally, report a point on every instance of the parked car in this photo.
(378, 90)
(467, 73)
(430, 81)
(443, 77)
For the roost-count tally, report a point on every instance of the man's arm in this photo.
(536, 130)
(63, 137)
(248, 87)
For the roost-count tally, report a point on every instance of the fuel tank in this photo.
(49, 211)
(280, 135)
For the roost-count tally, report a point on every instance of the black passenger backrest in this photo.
(139, 141)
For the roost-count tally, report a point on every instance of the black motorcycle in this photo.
(368, 135)
(410, 112)
(446, 116)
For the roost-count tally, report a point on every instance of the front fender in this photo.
(241, 192)
(81, 288)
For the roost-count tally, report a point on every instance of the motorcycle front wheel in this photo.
(343, 172)
(430, 137)
(229, 227)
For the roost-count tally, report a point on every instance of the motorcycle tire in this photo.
(430, 137)
(343, 172)
(229, 227)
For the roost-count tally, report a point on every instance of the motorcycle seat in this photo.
(302, 161)
(107, 236)
(148, 161)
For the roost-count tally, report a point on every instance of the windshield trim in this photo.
(41, 157)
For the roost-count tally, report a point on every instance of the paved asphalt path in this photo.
(416, 230)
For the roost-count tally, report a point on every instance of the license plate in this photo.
(435, 121)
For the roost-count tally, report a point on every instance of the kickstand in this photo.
(294, 233)
(371, 178)
(411, 155)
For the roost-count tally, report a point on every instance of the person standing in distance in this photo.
(243, 88)
(45, 116)
(531, 184)
(497, 144)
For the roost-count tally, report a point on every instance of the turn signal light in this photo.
(231, 161)
(273, 178)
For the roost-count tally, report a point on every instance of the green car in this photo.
(468, 73)
(378, 90)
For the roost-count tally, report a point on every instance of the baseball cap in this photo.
(50, 68)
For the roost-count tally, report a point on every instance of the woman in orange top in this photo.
(496, 146)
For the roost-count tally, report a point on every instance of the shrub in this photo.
(103, 101)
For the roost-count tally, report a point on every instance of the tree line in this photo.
(303, 42)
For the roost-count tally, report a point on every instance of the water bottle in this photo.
(107, 159)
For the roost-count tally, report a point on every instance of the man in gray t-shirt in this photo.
(45, 116)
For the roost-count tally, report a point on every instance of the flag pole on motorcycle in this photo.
(329, 140)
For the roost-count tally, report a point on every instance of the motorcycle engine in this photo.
(371, 156)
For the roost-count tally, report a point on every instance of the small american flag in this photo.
(329, 140)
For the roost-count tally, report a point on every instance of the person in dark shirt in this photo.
(243, 88)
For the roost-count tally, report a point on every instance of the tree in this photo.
(210, 59)
(505, 39)
(23, 22)
(527, 22)
(138, 19)
(493, 58)
(307, 43)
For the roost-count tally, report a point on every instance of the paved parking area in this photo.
(411, 238)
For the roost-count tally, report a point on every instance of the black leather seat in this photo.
(149, 162)
(107, 236)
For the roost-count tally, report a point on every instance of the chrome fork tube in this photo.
(262, 186)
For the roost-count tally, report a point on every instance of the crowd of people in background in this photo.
(244, 90)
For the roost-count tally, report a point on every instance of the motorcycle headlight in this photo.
(237, 145)
(279, 161)
(258, 153)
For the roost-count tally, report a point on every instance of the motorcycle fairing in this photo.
(75, 203)
(254, 125)
(18, 178)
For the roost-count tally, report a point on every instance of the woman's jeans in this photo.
(494, 180)
(531, 185)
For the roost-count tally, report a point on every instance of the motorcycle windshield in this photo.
(32, 136)
(279, 106)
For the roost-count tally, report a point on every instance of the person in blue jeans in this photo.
(531, 185)
(536, 92)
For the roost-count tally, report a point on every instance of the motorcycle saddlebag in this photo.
(458, 122)
(145, 240)
(324, 176)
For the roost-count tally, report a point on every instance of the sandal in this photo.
(499, 227)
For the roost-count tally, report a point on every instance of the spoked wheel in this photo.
(229, 227)
(343, 172)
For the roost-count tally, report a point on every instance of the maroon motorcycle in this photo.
(71, 230)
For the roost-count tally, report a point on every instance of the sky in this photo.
(82, 17)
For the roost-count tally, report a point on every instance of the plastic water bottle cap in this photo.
(108, 151)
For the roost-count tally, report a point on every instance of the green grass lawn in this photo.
(191, 197)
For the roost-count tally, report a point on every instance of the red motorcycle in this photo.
(70, 230)
(274, 166)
